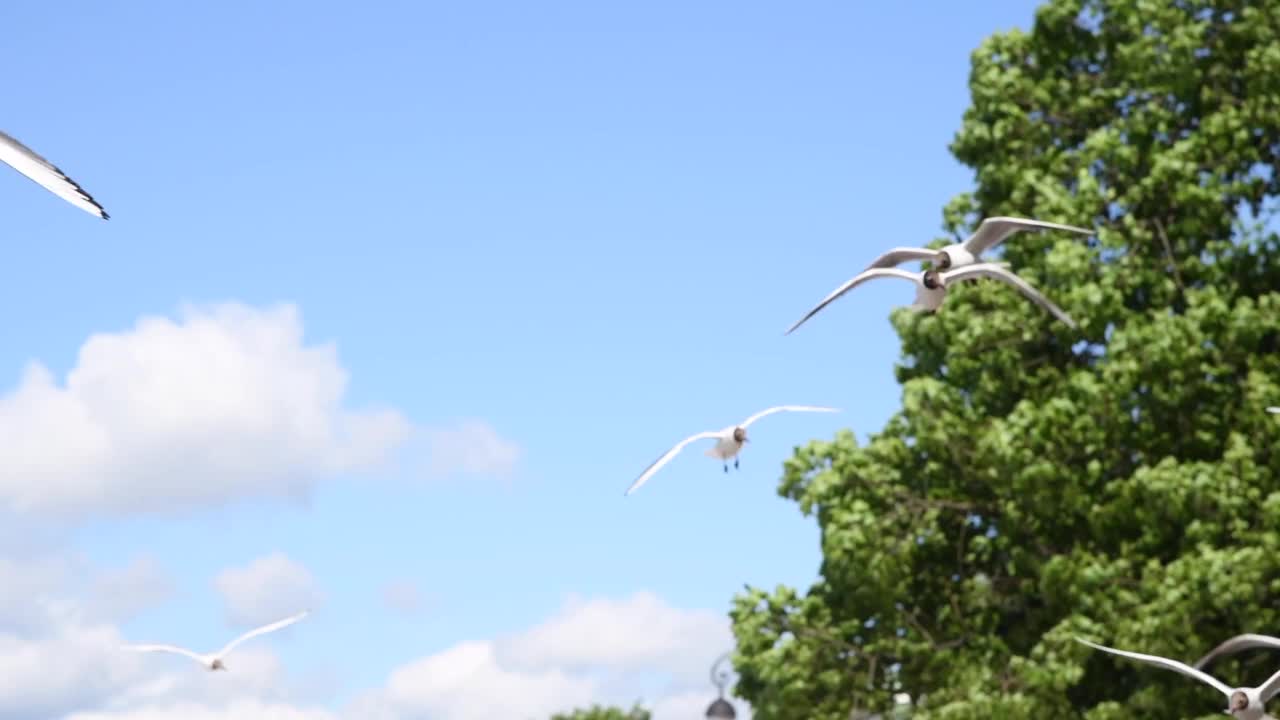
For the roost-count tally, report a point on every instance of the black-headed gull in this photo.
(729, 442)
(1239, 643)
(213, 661)
(931, 287)
(990, 232)
(29, 163)
(1243, 703)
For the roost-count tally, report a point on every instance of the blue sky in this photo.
(583, 225)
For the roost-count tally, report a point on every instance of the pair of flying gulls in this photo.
(1243, 703)
(213, 661)
(955, 263)
(47, 175)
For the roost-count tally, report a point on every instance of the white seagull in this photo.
(1239, 643)
(1243, 703)
(213, 661)
(1274, 410)
(931, 287)
(990, 233)
(29, 163)
(729, 442)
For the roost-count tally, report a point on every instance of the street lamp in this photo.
(720, 709)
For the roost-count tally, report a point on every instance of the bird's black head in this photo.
(942, 260)
(217, 665)
(739, 435)
(932, 279)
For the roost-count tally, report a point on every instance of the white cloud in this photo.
(403, 596)
(120, 594)
(226, 402)
(270, 588)
(597, 650)
(634, 633)
(236, 710)
(466, 682)
(472, 447)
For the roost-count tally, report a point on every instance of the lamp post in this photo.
(720, 709)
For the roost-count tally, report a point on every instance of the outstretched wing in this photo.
(994, 230)
(857, 280)
(787, 408)
(165, 648)
(1239, 643)
(262, 631)
(656, 465)
(1167, 664)
(899, 255)
(998, 272)
(29, 163)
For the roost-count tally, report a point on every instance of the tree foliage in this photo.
(600, 712)
(1120, 482)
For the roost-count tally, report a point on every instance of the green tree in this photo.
(1120, 482)
(600, 712)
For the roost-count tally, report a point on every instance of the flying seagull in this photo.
(1239, 643)
(931, 287)
(29, 163)
(213, 661)
(990, 233)
(1274, 410)
(1243, 703)
(729, 442)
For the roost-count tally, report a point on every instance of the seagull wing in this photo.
(1167, 664)
(1239, 643)
(997, 272)
(29, 163)
(1268, 689)
(857, 280)
(900, 255)
(1274, 410)
(787, 408)
(166, 648)
(656, 465)
(262, 631)
(994, 230)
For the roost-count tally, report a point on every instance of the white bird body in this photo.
(991, 232)
(213, 661)
(931, 287)
(28, 162)
(1243, 703)
(726, 448)
(729, 441)
(1274, 410)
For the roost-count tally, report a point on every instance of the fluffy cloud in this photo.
(403, 596)
(236, 710)
(630, 634)
(120, 594)
(267, 589)
(473, 448)
(224, 403)
(593, 650)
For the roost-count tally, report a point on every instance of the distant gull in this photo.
(729, 442)
(213, 661)
(1274, 410)
(931, 287)
(29, 163)
(1243, 703)
(990, 233)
